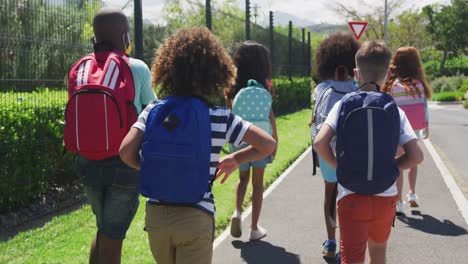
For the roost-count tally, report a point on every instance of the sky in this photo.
(308, 11)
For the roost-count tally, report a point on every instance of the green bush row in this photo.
(31, 140)
(452, 83)
(31, 150)
(449, 96)
(291, 95)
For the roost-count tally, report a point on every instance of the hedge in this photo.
(449, 96)
(31, 149)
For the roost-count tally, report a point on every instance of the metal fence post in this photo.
(138, 14)
(208, 14)
(303, 54)
(309, 55)
(272, 49)
(290, 29)
(247, 19)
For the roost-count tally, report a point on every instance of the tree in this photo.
(447, 26)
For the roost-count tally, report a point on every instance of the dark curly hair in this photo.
(192, 62)
(252, 60)
(336, 53)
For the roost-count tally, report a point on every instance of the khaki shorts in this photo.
(179, 235)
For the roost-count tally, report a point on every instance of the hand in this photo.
(226, 166)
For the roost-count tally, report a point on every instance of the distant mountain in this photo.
(282, 18)
(327, 28)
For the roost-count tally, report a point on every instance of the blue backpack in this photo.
(253, 104)
(175, 154)
(368, 134)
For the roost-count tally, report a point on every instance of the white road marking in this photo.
(454, 189)
(247, 212)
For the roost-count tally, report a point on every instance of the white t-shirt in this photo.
(406, 134)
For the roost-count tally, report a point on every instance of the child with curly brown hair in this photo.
(334, 68)
(190, 67)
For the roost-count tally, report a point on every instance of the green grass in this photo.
(448, 96)
(66, 238)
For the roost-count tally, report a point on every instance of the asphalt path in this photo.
(449, 135)
(436, 232)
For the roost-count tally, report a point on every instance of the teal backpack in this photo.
(253, 104)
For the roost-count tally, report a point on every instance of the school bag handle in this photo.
(371, 82)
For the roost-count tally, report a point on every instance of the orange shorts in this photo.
(362, 218)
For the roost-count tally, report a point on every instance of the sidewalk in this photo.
(293, 214)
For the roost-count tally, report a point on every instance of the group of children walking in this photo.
(369, 108)
(168, 149)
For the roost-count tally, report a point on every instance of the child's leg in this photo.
(412, 175)
(244, 178)
(257, 195)
(381, 225)
(354, 214)
(377, 252)
(157, 226)
(193, 235)
(399, 184)
(329, 207)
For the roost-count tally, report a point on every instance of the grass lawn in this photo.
(66, 238)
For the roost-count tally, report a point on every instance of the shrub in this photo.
(448, 96)
(291, 95)
(465, 104)
(31, 149)
(453, 83)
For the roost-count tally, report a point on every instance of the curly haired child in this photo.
(193, 64)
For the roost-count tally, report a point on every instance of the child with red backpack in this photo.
(180, 138)
(410, 89)
(106, 91)
(369, 127)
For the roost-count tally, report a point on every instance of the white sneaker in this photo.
(399, 208)
(412, 199)
(257, 234)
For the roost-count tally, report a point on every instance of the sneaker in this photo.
(338, 258)
(329, 249)
(399, 209)
(412, 199)
(236, 226)
(257, 234)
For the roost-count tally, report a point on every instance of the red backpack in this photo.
(100, 109)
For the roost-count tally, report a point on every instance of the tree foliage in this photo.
(448, 28)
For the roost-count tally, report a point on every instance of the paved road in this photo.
(449, 135)
(435, 233)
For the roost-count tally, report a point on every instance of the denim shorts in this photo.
(112, 189)
(254, 164)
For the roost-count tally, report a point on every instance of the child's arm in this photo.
(322, 144)
(412, 157)
(261, 145)
(130, 148)
(275, 131)
(426, 111)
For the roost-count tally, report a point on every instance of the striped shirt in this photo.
(325, 99)
(225, 128)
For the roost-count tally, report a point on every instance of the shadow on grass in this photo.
(264, 252)
(7, 233)
(429, 224)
